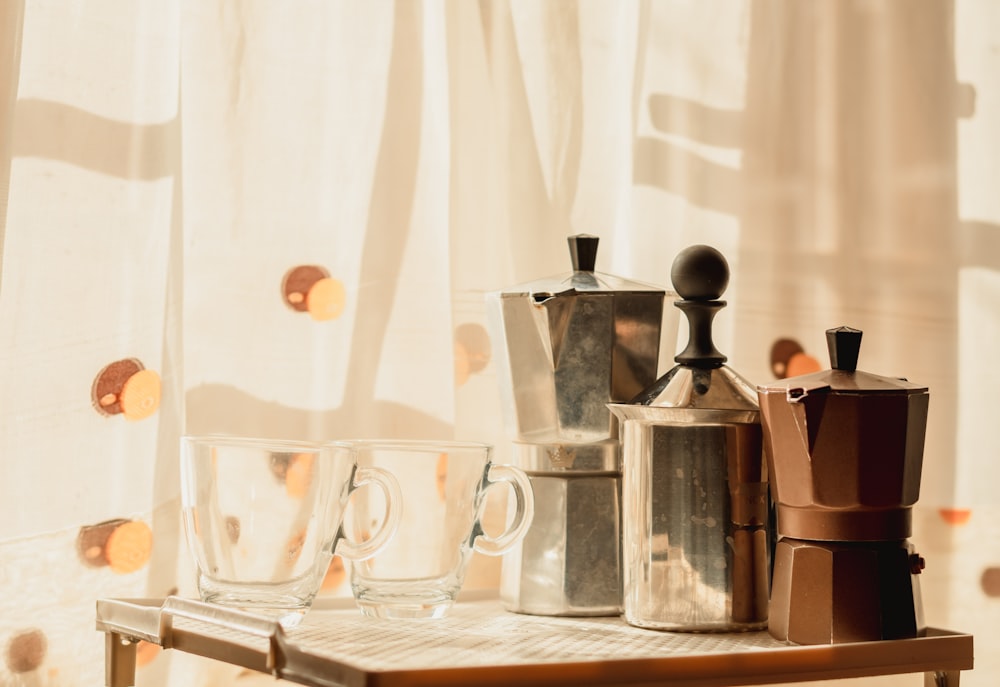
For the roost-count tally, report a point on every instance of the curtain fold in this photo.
(282, 220)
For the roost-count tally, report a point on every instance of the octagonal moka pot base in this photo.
(834, 592)
(844, 451)
(570, 563)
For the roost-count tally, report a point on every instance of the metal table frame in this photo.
(337, 646)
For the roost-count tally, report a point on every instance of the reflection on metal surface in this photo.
(571, 565)
(695, 539)
(566, 347)
(565, 356)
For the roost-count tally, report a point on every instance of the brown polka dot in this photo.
(476, 341)
(297, 282)
(233, 528)
(298, 476)
(109, 382)
(335, 575)
(294, 547)
(990, 581)
(326, 300)
(955, 516)
(279, 464)
(782, 351)
(92, 539)
(140, 396)
(26, 651)
(442, 475)
(802, 364)
(129, 547)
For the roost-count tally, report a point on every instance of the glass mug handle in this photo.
(524, 510)
(358, 551)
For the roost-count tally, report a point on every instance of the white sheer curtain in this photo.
(281, 218)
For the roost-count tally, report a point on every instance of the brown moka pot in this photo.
(844, 451)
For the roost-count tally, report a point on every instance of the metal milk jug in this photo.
(566, 347)
(695, 500)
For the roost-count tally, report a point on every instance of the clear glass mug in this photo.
(444, 487)
(263, 518)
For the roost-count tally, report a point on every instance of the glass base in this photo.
(404, 609)
(406, 599)
(269, 601)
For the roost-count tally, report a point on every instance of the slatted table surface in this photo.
(481, 645)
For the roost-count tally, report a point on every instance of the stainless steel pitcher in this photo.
(695, 500)
(566, 347)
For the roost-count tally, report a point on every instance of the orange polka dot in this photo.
(442, 475)
(326, 299)
(140, 395)
(145, 652)
(475, 341)
(335, 575)
(801, 364)
(955, 516)
(129, 547)
(463, 367)
(298, 476)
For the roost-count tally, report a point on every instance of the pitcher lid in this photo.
(844, 344)
(701, 387)
(583, 278)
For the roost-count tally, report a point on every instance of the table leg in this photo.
(119, 660)
(942, 678)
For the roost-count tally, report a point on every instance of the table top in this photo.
(481, 644)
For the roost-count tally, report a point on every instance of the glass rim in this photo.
(242, 441)
(414, 445)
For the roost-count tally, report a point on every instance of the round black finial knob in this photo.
(844, 345)
(583, 252)
(700, 273)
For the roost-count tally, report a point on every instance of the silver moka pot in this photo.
(695, 499)
(566, 347)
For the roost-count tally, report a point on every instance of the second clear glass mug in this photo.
(444, 487)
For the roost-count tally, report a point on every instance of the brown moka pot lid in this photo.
(844, 344)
